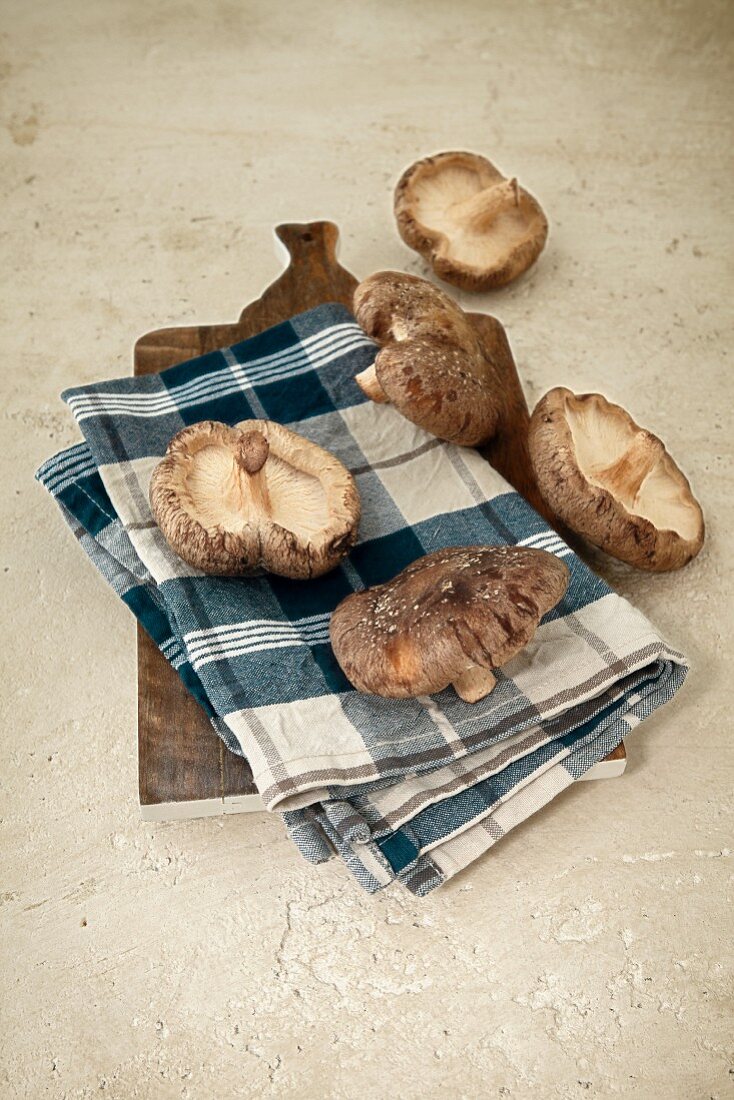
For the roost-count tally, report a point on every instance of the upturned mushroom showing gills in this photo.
(477, 229)
(232, 501)
(431, 366)
(613, 482)
(450, 617)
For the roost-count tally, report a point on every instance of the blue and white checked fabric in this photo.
(410, 789)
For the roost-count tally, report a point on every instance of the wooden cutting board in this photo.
(184, 768)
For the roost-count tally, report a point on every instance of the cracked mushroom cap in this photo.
(613, 482)
(231, 501)
(477, 229)
(431, 366)
(448, 618)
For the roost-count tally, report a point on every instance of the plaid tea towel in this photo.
(410, 789)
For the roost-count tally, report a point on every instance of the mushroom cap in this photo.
(232, 501)
(431, 365)
(613, 482)
(447, 612)
(475, 243)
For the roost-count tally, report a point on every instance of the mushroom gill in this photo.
(476, 228)
(230, 500)
(613, 482)
(631, 464)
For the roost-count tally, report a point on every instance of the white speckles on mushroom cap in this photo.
(466, 605)
(431, 366)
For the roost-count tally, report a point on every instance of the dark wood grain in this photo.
(180, 757)
(508, 450)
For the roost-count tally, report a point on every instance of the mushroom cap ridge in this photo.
(605, 514)
(451, 610)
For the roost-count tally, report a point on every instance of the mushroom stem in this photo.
(250, 457)
(474, 683)
(624, 477)
(369, 384)
(481, 209)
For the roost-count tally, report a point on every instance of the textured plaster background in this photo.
(147, 149)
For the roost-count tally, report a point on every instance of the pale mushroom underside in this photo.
(218, 494)
(610, 449)
(438, 205)
(230, 501)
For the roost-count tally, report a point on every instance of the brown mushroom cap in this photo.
(431, 365)
(477, 229)
(448, 618)
(231, 501)
(613, 482)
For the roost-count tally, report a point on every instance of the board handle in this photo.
(313, 275)
(305, 241)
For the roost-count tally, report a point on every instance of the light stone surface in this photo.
(147, 150)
